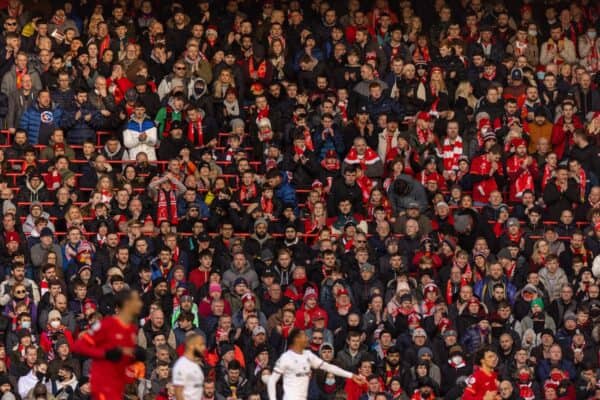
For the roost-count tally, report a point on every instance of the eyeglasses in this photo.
(20, 292)
(10, 23)
(179, 68)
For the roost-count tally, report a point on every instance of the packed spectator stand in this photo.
(416, 184)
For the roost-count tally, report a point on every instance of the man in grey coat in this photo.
(12, 80)
(39, 252)
(240, 268)
(20, 101)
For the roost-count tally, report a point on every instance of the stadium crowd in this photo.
(416, 184)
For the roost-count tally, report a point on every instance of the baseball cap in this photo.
(512, 222)
(449, 332)
(240, 281)
(419, 332)
(319, 314)
(366, 267)
(516, 74)
(258, 330)
(46, 232)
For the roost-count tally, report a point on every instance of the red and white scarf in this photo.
(451, 152)
(195, 132)
(370, 157)
(167, 211)
(257, 73)
(247, 192)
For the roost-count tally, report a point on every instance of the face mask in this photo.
(265, 378)
(540, 75)
(55, 324)
(592, 34)
(330, 381)
(425, 393)
(197, 353)
(40, 375)
(26, 324)
(456, 359)
(532, 33)
(198, 90)
(524, 377)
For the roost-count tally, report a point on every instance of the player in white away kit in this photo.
(188, 377)
(296, 364)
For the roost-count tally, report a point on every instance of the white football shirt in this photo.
(189, 375)
(296, 370)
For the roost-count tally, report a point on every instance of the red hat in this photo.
(316, 184)
(518, 142)
(248, 297)
(310, 294)
(371, 56)
(319, 314)
(59, 146)
(212, 28)
(474, 300)
(12, 237)
(526, 8)
(331, 154)
(483, 122)
(343, 291)
(430, 288)
(437, 69)
(444, 324)
(89, 304)
(424, 115)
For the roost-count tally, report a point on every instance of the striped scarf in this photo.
(451, 153)
(167, 211)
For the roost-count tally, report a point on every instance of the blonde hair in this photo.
(463, 91)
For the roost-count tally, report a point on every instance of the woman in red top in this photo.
(309, 310)
(317, 219)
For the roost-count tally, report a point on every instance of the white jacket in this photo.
(131, 138)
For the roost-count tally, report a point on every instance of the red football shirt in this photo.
(108, 378)
(479, 383)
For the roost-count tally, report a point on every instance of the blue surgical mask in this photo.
(540, 75)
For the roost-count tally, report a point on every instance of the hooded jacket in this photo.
(29, 194)
(405, 190)
(247, 272)
(131, 138)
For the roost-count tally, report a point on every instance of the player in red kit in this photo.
(483, 383)
(111, 344)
